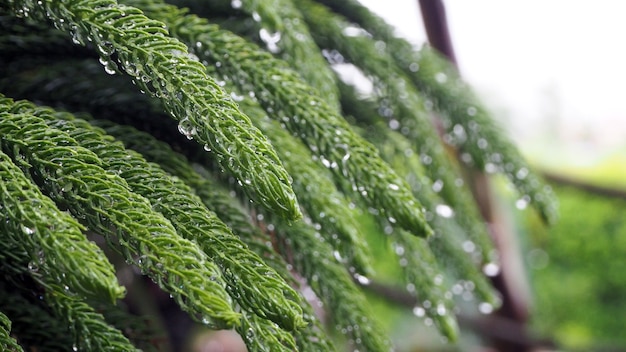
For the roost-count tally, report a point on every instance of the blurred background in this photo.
(552, 72)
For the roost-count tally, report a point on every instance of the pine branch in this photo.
(87, 330)
(331, 282)
(280, 29)
(163, 67)
(458, 255)
(398, 151)
(311, 338)
(255, 286)
(468, 124)
(402, 107)
(74, 179)
(47, 242)
(263, 335)
(316, 191)
(140, 330)
(34, 325)
(281, 93)
(7, 343)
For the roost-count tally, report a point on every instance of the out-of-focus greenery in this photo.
(578, 270)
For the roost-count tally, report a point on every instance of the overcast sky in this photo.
(533, 59)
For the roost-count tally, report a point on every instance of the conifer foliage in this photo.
(218, 154)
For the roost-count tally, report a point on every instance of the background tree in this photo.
(264, 192)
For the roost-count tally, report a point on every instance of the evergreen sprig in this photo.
(48, 243)
(72, 176)
(307, 339)
(162, 66)
(270, 117)
(280, 28)
(246, 274)
(467, 122)
(285, 97)
(7, 343)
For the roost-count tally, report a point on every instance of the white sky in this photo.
(534, 59)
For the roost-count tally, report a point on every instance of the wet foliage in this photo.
(218, 154)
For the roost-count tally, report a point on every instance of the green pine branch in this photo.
(7, 343)
(223, 237)
(163, 67)
(468, 124)
(285, 97)
(218, 198)
(71, 176)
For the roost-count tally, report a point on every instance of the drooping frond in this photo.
(245, 272)
(88, 328)
(323, 203)
(141, 330)
(467, 122)
(32, 320)
(332, 284)
(285, 97)
(307, 339)
(280, 28)
(40, 239)
(7, 343)
(73, 178)
(163, 67)
(398, 151)
(403, 109)
(210, 214)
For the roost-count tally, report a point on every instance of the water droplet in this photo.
(352, 31)
(482, 143)
(437, 186)
(363, 280)
(394, 124)
(471, 111)
(441, 309)
(414, 66)
(444, 211)
(469, 246)
(256, 17)
(419, 311)
(491, 168)
(236, 97)
(394, 187)
(491, 269)
(522, 203)
(485, 308)
(32, 266)
(522, 173)
(441, 77)
(236, 4)
(27, 230)
(271, 39)
(399, 250)
(186, 127)
(337, 256)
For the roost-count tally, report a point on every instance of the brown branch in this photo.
(492, 327)
(584, 185)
